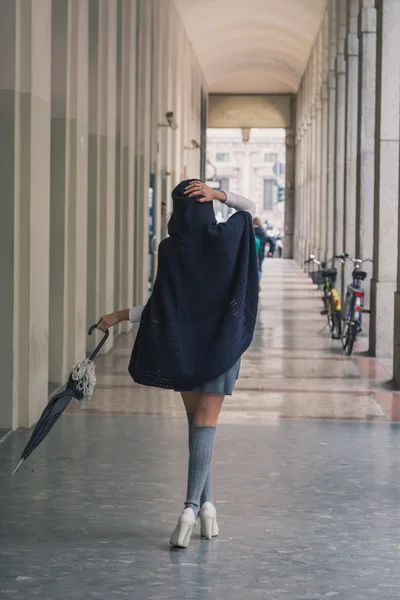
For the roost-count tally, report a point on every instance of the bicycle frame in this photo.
(330, 298)
(354, 305)
(335, 296)
(355, 296)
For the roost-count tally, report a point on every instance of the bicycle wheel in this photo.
(336, 325)
(349, 337)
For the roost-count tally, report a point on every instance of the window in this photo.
(224, 183)
(270, 157)
(269, 185)
(222, 157)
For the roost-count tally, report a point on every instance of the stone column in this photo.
(313, 151)
(290, 199)
(126, 86)
(298, 190)
(9, 167)
(303, 180)
(366, 136)
(305, 191)
(386, 178)
(68, 224)
(102, 145)
(318, 147)
(350, 191)
(172, 69)
(338, 243)
(324, 139)
(303, 208)
(309, 135)
(25, 95)
(143, 148)
(159, 146)
(331, 129)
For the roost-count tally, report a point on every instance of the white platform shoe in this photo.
(208, 521)
(182, 533)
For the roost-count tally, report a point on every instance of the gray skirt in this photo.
(224, 384)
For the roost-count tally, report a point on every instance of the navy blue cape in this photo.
(201, 316)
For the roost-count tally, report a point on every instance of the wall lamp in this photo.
(195, 145)
(171, 121)
(245, 134)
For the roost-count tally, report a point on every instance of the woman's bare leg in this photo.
(191, 400)
(208, 409)
(204, 406)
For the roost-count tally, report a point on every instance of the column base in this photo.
(396, 341)
(288, 243)
(382, 318)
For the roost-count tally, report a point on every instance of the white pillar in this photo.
(318, 147)
(366, 136)
(324, 138)
(25, 95)
(350, 191)
(102, 145)
(298, 160)
(338, 246)
(68, 226)
(331, 129)
(387, 177)
(143, 147)
(298, 191)
(311, 121)
(126, 111)
(307, 164)
(290, 197)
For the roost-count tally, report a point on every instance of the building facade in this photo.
(254, 169)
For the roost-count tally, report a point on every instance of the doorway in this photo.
(251, 163)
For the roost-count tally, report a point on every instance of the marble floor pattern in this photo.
(306, 475)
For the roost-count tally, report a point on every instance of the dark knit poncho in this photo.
(201, 315)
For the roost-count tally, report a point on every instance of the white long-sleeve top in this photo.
(239, 203)
(135, 314)
(233, 201)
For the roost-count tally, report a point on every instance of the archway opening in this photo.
(251, 163)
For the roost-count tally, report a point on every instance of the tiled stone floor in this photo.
(3, 433)
(307, 479)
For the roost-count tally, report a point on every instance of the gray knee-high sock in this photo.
(206, 495)
(201, 451)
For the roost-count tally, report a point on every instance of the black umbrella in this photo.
(80, 385)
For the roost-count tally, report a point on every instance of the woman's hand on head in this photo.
(198, 188)
(108, 321)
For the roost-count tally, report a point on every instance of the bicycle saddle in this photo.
(357, 274)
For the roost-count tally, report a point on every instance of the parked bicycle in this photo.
(325, 278)
(354, 305)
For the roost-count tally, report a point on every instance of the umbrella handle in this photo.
(101, 344)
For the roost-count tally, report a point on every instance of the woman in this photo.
(196, 325)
